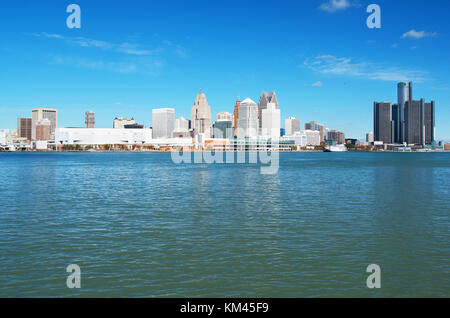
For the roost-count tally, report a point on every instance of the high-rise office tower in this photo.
(383, 125)
(270, 121)
(429, 122)
(181, 124)
(292, 125)
(89, 120)
(24, 127)
(38, 114)
(236, 116)
(314, 125)
(43, 129)
(419, 122)
(336, 136)
(265, 99)
(247, 119)
(414, 122)
(404, 94)
(396, 113)
(163, 122)
(201, 116)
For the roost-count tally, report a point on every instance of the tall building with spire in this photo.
(265, 99)
(201, 116)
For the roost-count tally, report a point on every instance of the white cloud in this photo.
(342, 66)
(317, 84)
(413, 34)
(332, 6)
(151, 67)
(125, 47)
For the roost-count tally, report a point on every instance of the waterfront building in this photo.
(236, 116)
(225, 116)
(419, 122)
(335, 136)
(43, 113)
(292, 125)
(414, 122)
(163, 122)
(89, 121)
(314, 125)
(370, 137)
(265, 99)
(247, 119)
(223, 129)
(298, 138)
(120, 122)
(43, 130)
(24, 127)
(429, 123)
(201, 116)
(4, 133)
(181, 124)
(404, 94)
(396, 121)
(312, 137)
(102, 136)
(383, 123)
(270, 121)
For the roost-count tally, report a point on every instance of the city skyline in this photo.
(125, 70)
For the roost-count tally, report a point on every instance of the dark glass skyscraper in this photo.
(429, 123)
(383, 125)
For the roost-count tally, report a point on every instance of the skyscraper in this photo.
(314, 125)
(201, 116)
(420, 122)
(163, 122)
(404, 94)
(429, 122)
(336, 136)
(265, 99)
(181, 124)
(247, 119)
(383, 125)
(89, 119)
(292, 125)
(414, 122)
(43, 129)
(41, 113)
(24, 127)
(270, 120)
(236, 116)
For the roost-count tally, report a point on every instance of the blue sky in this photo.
(132, 56)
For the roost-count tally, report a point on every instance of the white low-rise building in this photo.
(3, 134)
(312, 137)
(102, 136)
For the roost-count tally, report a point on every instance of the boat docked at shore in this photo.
(335, 148)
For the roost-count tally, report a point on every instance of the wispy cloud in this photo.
(124, 47)
(317, 84)
(342, 66)
(332, 6)
(147, 66)
(413, 34)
